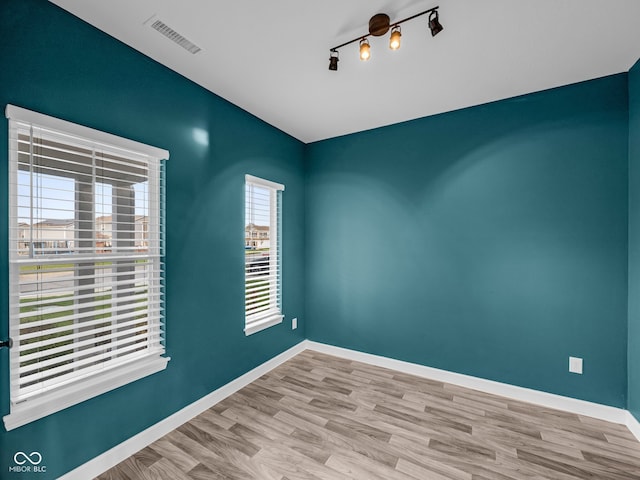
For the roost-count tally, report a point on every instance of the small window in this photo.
(86, 283)
(263, 254)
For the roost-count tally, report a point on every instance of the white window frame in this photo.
(86, 385)
(273, 314)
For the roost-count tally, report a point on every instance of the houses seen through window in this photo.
(86, 277)
(263, 253)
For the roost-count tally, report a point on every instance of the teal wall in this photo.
(53, 63)
(490, 241)
(634, 241)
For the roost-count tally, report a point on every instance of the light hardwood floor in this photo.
(321, 417)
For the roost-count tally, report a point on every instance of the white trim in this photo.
(261, 181)
(633, 425)
(270, 321)
(117, 454)
(80, 391)
(23, 115)
(550, 400)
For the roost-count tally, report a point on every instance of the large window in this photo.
(86, 280)
(263, 253)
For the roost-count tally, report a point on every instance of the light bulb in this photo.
(365, 50)
(394, 40)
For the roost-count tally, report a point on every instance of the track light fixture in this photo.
(333, 60)
(379, 25)
(434, 23)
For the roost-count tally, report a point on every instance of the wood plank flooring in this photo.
(318, 417)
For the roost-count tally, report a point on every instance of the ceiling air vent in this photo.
(175, 37)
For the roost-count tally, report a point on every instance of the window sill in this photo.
(270, 321)
(80, 391)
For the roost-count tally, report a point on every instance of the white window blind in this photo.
(86, 273)
(263, 253)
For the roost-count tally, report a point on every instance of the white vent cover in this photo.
(175, 37)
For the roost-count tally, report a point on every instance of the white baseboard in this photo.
(633, 425)
(117, 454)
(550, 400)
(120, 452)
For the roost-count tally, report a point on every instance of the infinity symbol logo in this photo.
(34, 458)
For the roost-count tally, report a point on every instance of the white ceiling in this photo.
(271, 57)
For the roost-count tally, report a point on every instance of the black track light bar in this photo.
(391, 25)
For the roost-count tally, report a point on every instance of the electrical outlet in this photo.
(294, 323)
(575, 365)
